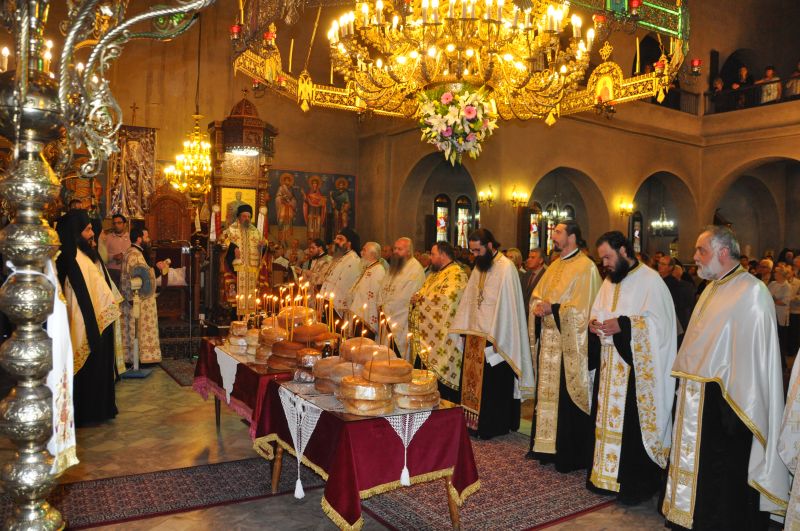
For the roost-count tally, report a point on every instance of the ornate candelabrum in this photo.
(37, 109)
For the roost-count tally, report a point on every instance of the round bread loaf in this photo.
(303, 376)
(360, 389)
(422, 383)
(417, 401)
(346, 368)
(307, 333)
(324, 385)
(366, 353)
(387, 371)
(236, 349)
(307, 357)
(353, 343)
(251, 350)
(252, 337)
(296, 315)
(238, 328)
(286, 349)
(367, 408)
(237, 340)
(325, 338)
(273, 334)
(281, 364)
(323, 367)
(262, 353)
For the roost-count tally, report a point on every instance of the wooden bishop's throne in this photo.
(169, 224)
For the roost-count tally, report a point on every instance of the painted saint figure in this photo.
(314, 207)
(285, 207)
(340, 202)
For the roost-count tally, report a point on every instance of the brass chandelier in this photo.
(191, 173)
(528, 58)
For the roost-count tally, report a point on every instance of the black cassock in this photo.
(639, 477)
(574, 429)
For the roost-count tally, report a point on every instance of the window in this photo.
(463, 220)
(441, 210)
(535, 227)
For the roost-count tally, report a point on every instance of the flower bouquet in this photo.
(456, 120)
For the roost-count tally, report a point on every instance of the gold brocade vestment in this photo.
(249, 241)
(429, 320)
(571, 282)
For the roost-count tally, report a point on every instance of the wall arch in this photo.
(664, 188)
(741, 57)
(751, 207)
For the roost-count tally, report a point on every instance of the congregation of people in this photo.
(746, 91)
(653, 376)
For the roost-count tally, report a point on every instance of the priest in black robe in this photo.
(632, 348)
(93, 310)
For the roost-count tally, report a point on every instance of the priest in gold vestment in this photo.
(725, 471)
(242, 259)
(558, 330)
(432, 310)
(632, 347)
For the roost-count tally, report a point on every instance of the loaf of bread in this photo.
(251, 350)
(273, 334)
(346, 368)
(422, 383)
(366, 353)
(323, 367)
(386, 371)
(281, 364)
(238, 328)
(237, 340)
(252, 337)
(286, 349)
(324, 385)
(262, 353)
(236, 349)
(296, 315)
(307, 333)
(353, 343)
(417, 401)
(367, 408)
(357, 388)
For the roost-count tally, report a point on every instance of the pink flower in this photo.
(447, 133)
(485, 123)
(447, 97)
(470, 112)
(470, 137)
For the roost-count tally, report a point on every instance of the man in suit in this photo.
(534, 269)
(682, 293)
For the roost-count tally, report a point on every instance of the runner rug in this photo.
(515, 494)
(113, 500)
(181, 370)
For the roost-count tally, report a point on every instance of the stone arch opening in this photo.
(666, 190)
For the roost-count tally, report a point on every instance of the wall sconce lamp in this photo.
(625, 208)
(486, 197)
(518, 199)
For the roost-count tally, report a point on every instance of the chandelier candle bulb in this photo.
(365, 14)
(450, 8)
(5, 53)
(435, 6)
(576, 27)
(379, 11)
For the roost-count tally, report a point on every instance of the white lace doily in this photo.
(406, 427)
(302, 417)
(227, 369)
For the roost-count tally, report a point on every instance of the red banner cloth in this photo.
(249, 386)
(359, 457)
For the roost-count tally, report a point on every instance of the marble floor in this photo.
(163, 426)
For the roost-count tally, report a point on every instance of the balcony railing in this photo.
(752, 96)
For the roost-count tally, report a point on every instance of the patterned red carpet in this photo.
(114, 500)
(180, 369)
(516, 493)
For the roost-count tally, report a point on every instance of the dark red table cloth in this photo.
(359, 457)
(249, 386)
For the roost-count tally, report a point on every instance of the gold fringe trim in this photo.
(66, 458)
(744, 418)
(467, 492)
(771, 497)
(394, 485)
(337, 519)
(603, 482)
(682, 518)
(267, 453)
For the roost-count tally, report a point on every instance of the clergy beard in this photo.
(396, 264)
(338, 250)
(484, 262)
(712, 271)
(618, 273)
(436, 268)
(88, 250)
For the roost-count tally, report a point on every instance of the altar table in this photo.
(249, 382)
(359, 457)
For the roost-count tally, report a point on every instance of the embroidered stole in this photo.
(473, 379)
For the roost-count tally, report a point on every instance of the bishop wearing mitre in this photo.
(242, 261)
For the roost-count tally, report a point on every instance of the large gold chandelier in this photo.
(528, 58)
(191, 173)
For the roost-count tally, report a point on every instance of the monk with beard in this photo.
(93, 311)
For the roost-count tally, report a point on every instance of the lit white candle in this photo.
(451, 8)
(5, 54)
(365, 13)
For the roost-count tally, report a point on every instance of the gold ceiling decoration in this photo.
(529, 56)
